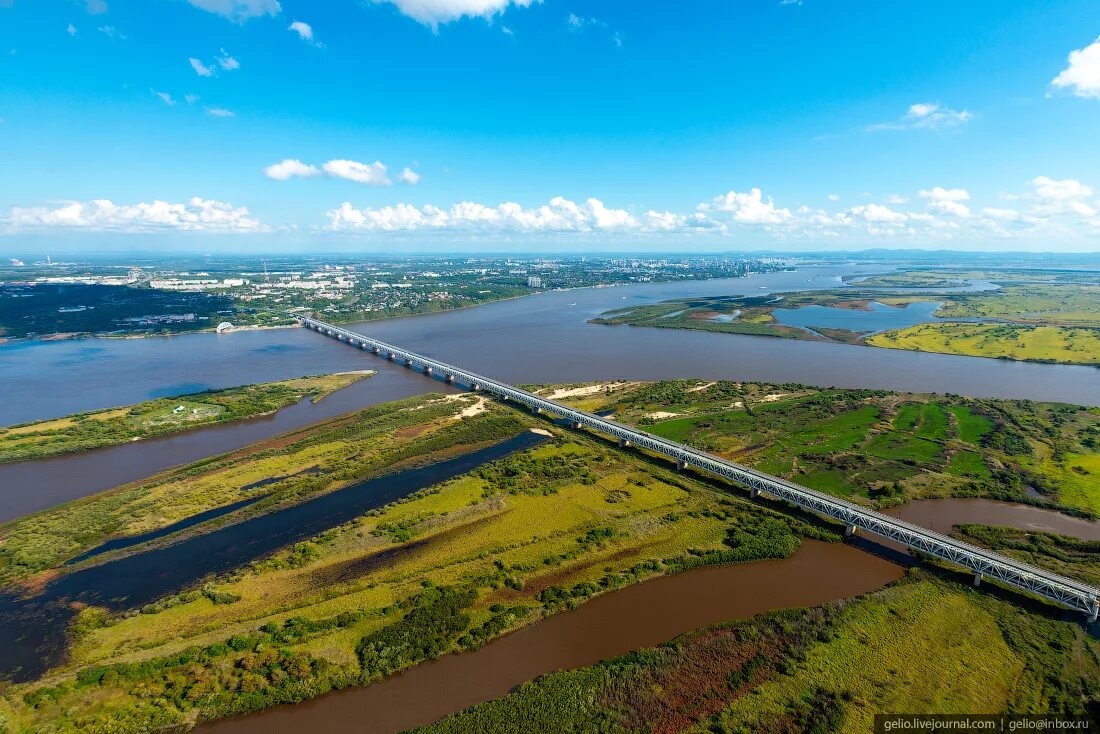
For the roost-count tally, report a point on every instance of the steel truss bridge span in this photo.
(982, 563)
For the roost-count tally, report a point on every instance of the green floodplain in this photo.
(100, 428)
(1034, 315)
(546, 529)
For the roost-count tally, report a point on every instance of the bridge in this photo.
(982, 563)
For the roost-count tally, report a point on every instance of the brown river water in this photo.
(542, 338)
(941, 515)
(638, 616)
(545, 338)
(30, 486)
(641, 615)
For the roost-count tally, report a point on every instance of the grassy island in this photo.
(99, 428)
(1027, 315)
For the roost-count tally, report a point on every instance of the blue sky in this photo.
(411, 125)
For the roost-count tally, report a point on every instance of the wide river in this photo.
(542, 338)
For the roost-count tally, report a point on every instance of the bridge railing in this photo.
(1053, 587)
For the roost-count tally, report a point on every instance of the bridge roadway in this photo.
(983, 563)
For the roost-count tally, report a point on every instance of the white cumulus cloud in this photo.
(878, 213)
(748, 208)
(289, 168)
(165, 97)
(1065, 196)
(304, 31)
(558, 215)
(200, 68)
(196, 215)
(239, 10)
(1082, 76)
(1059, 208)
(227, 62)
(947, 201)
(1000, 214)
(434, 12)
(219, 112)
(372, 174)
(926, 116)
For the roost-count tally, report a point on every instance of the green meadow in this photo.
(877, 447)
(1032, 315)
(923, 644)
(542, 531)
(100, 428)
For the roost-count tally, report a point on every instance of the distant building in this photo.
(534, 281)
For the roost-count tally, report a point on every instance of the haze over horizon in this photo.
(431, 126)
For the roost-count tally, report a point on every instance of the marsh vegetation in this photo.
(457, 563)
(99, 428)
(1031, 315)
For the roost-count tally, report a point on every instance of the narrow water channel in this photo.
(32, 629)
(942, 515)
(641, 615)
(637, 616)
(30, 486)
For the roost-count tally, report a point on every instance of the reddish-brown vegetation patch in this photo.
(697, 678)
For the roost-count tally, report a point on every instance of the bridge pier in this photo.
(536, 410)
(408, 362)
(849, 530)
(575, 425)
(475, 387)
(391, 357)
(376, 349)
(977, 579)
(1095, 612)
(450, 379)
(428, 370)
(624, 443)
(681, 465)
(754, 493)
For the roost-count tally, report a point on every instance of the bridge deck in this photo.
(1058, 589)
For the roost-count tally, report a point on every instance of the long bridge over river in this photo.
(982, 563)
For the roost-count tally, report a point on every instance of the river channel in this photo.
(33, 628)
(542, 338)
(943, 514)
(641, 615)
(30, 486)
(637, 616)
